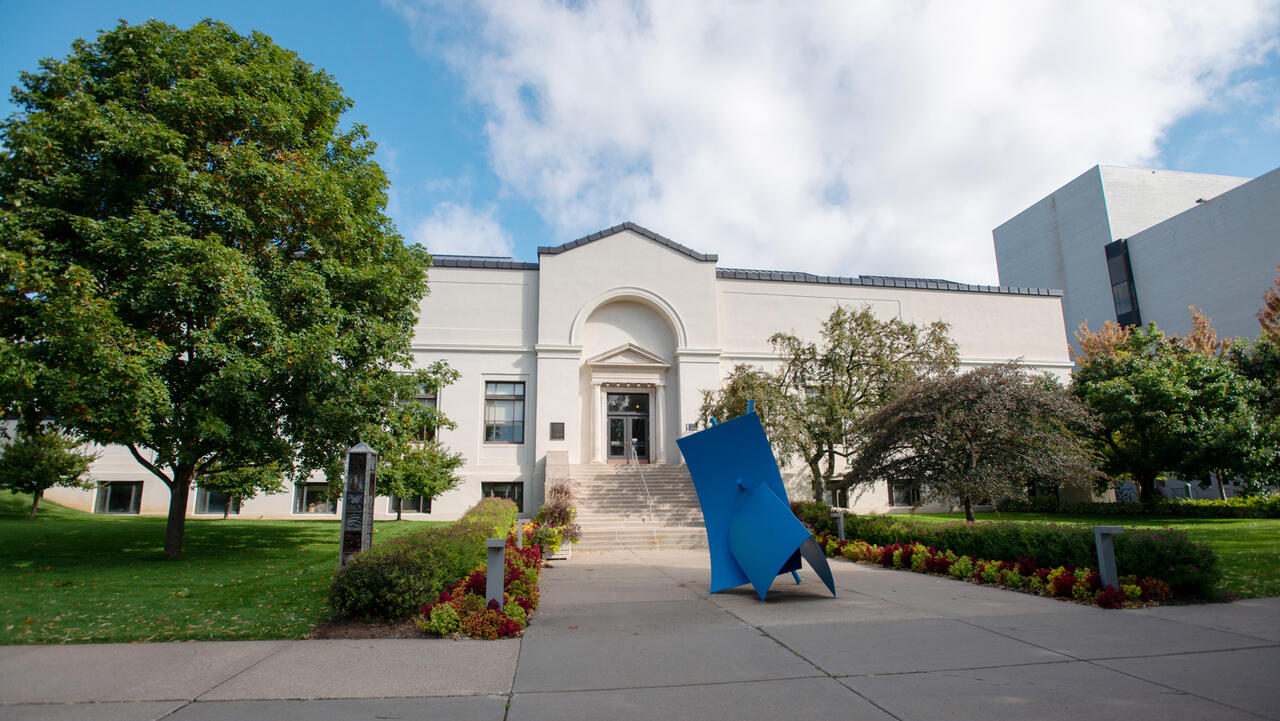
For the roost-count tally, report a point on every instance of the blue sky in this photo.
(803, 137)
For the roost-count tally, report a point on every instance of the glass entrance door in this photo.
(628, 425)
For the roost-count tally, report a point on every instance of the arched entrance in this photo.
(629, 347)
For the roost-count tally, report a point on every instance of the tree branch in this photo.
(150, 466)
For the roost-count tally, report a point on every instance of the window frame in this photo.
(422, 500)
(202, 494)
(517, 425)
(102, 501)
(913, 491)
(486, 488)
(431, 400)
(300, 498)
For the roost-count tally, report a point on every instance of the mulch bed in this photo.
(349, 628)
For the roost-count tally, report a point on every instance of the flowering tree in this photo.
(984, 434)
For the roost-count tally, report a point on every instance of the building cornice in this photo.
(878, 281)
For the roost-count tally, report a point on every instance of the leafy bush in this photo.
(443, 621)
(1251, 507)
(394, 579)
(1109, 598)
(516, 613)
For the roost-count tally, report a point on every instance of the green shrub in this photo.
(1251, 507)
(444, 621)
(516, 612)
(395, 579)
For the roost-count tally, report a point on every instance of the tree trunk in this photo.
(399, 501)
(1146, 488)
(1222, 485)
(179, 491)
(815, 473)
(968, 510)
(35, 502)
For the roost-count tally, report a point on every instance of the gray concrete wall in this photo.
(1220, 256)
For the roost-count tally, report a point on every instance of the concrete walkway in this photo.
(634, 635)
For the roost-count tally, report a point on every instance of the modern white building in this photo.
(603, 349)
(1136, 245)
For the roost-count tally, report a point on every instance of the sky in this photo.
(879, 137)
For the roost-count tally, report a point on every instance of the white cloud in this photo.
(454, 229)
(836, 137)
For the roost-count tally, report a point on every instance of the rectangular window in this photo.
(215, 503)
(510, 491)
(426, 433)
(1124, 294)
(904, 494)
(503, 412)
(119, 497)
(414, 504)
(313, 498)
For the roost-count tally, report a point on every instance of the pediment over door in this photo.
(628, 355)
(629, 363)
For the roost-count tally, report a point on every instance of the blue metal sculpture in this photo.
(752, 533)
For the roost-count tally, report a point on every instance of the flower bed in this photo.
(1071, 581)
(461, 608)
(1190, 569)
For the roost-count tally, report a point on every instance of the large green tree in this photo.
(1165, 405)
(196, 263)
(984, 434)
(1259, 361)
(815, 405)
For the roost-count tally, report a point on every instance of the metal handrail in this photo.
(640, 467)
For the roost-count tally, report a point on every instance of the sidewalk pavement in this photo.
(634, 635)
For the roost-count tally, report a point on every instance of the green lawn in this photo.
(1249, 547)
(70, 577)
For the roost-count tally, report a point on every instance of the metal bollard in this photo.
(839, 516)
(1107, 554)
(495, 569)
(519, 533)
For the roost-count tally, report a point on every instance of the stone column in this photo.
(597, 423)
(659, 430)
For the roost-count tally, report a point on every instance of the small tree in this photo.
(1269, 316)
(745, 383)
(411, 462)
(242, 484)
(984, 434)
(829, 387)
(40, 457)
(1163, 406)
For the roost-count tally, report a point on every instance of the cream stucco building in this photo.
(603, 349)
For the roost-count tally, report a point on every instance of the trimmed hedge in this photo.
(1251, 507)
(1189, 568)
(395, 579)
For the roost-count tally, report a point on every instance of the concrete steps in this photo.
(615, 512)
